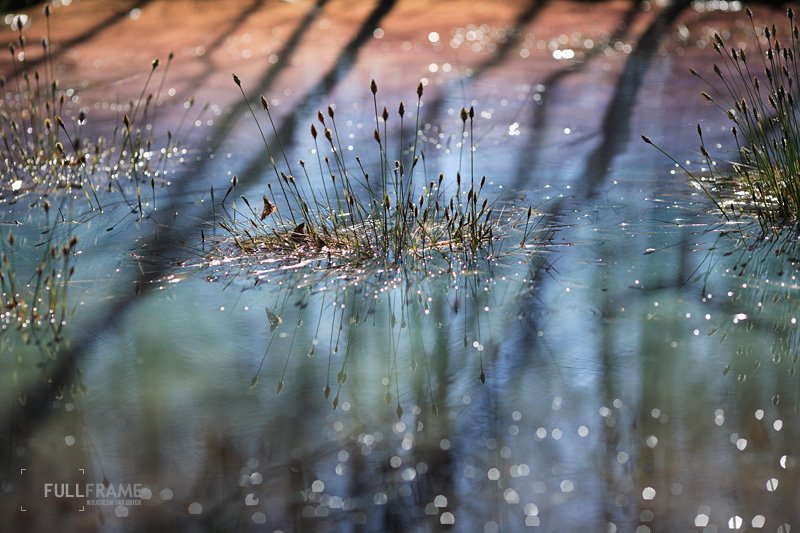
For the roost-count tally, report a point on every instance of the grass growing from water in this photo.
(43, 143)
(396, 214)
(760, 97)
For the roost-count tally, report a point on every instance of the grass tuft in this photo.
(395, 214)
(761, 100)
(44, 147)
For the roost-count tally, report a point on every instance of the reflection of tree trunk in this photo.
(529, 158)
(161, 246)
(615, 126)
(31, 463)
(515, 33)
(107, 23)
(225, 125)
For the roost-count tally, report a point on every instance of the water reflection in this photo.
(638, 376)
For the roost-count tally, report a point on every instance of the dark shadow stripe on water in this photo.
(230, 119)
(432, 109)
(616, 124)
(530, 156)
(104, 25)
(161, 246)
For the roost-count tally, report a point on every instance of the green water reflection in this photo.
(643, 375)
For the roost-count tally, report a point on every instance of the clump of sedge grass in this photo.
(760, 98)
(397, 213)
(42, 141)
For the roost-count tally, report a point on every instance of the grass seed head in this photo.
(264, 103)
(373, 86)
(237, 81)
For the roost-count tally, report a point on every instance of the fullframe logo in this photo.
(120, 495)
(93, 490)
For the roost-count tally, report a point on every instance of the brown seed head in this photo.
(385, 114)
(401, 110)
(420, 88)
(313, 131)
(156, 62)
(330, 111)
(236, 80)
(73, 241)
(264, 103)
(373, 87)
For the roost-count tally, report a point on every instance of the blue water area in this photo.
(630, 368)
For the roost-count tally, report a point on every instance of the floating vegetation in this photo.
(45, 147)
(761, 101)
(396, 215)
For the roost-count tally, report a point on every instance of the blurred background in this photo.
(633, 371)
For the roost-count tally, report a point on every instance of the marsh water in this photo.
(631, 369)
